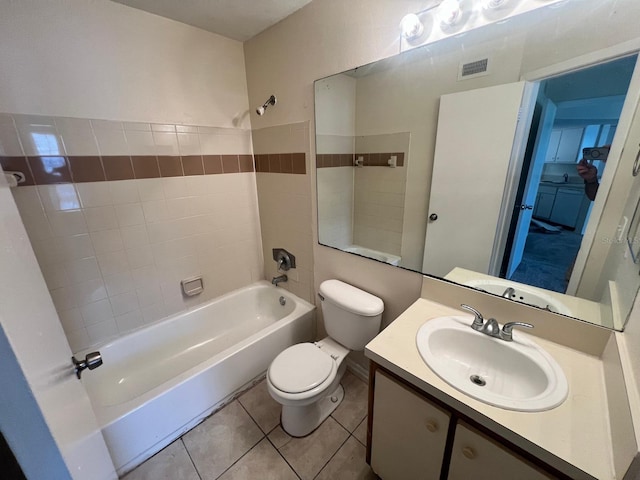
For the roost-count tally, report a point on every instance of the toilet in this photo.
(305, 378)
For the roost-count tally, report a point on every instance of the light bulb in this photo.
(449, 12)
(411, 26)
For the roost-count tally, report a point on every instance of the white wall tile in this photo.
(67, 222)
(166, 143)
(100, 218)
(175, 187)
(40, 140)
(111, 141)
(129, 321)
(163, 127)
(119, 283)
(125, 191)
(82, 270)
(71, 320)
(189, 144)
(79, 140)
(145, 277)
(102, 331)
(63, 298)
(10, 142)
(107, 125)
(96, 312)
(78, 339)
(150, 189)
(59, 197)
(150, 295)
(134, 236)
(129, 214)
(94, 194)
(75, 247)
(37, 226)
(153, 313)
(113, 262)
(140, 143)
(123, 303)
(107, 241)
(136, 126)
(88, 292)
(27, 200)
(55, 275)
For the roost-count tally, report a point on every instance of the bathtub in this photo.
(375, 254)
(159, 382)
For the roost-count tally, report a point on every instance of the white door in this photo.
(544, 141)
(45, 414)
(474, 142)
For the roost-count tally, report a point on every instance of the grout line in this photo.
(334, 453)
(283, 457)
(189, 453)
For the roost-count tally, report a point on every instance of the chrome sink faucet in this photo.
(491, 326)
(509, 292)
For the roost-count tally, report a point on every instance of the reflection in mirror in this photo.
(475, 178)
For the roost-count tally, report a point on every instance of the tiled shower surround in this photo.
(119, 212)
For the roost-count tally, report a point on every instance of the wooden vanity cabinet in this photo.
(411, 437)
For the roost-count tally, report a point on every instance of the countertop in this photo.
(577, 432)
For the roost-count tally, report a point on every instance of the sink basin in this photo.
(516, 375)
(522, 294)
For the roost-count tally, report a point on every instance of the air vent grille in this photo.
(476, 68)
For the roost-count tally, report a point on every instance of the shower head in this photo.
(271, 101)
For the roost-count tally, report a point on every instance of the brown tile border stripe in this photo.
(48, 170)
(325, 160)
(282, 163)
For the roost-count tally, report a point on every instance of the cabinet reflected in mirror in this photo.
(423, 169)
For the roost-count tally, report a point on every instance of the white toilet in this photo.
(305, 378)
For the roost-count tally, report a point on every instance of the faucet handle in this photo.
(507, 330)
(478, 321)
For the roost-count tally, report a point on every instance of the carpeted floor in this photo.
(547, 259)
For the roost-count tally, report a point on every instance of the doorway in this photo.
(573, 111)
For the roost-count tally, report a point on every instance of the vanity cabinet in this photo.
(564, 144)
(412, 436)
(561, 205)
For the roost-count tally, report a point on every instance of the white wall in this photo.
(100, 59)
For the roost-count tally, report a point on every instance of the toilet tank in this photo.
(351, 316)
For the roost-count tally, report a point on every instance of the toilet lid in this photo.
(300, 368)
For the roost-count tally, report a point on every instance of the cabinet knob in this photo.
(469, 452)
(431, 426)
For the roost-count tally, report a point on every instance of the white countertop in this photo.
(576, 432)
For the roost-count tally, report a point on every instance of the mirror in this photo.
(443, 161)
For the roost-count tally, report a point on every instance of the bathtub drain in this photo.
(283, 301)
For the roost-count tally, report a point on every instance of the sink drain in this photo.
(478, 380)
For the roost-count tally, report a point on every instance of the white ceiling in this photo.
(237, 19)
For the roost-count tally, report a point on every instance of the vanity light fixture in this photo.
(411, 26)
(449, 13)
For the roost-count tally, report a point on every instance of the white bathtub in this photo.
(160, 381)
(389, 258)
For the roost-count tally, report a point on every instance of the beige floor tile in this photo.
(169, 464)
(348, 464)
(361, 432)
(262, 462)
(279, 437)
(308, 455)
(354, 405)
(262, 408)
(221, 440)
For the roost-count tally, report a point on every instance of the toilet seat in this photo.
(300, 368)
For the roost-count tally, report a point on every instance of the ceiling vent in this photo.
(476, 68)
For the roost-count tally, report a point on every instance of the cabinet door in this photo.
(479, 457)
(544, 205)
(566, 207)
(554, 141)
(569, 145)
(408, 434)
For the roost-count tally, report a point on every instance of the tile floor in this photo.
(244, 440)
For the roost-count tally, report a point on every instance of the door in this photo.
(474, 143)
(45, 414)
(544, 141)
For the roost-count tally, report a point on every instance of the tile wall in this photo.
(118, 213)
(285, 205)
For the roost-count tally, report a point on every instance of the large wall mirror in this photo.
(460, 159)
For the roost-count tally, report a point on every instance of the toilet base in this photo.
(301, 421)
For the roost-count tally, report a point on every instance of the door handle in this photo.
(526, 207)
(92, 361)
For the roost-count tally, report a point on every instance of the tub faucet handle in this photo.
(92, 361)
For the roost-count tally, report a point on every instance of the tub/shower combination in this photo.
(161, 381)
